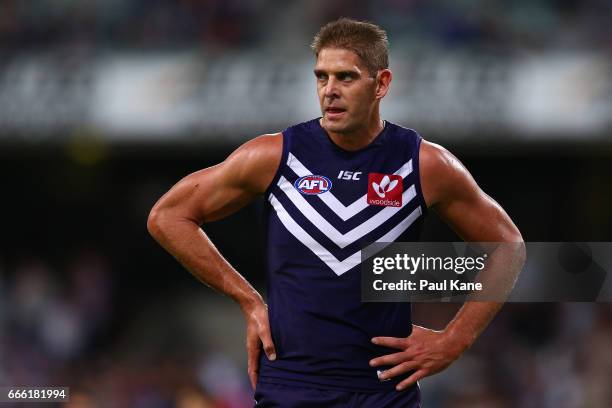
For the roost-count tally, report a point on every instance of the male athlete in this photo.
(332, 185)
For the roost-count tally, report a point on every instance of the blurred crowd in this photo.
(223, 24)
(134, 24)
(63, 328)
(533, 355)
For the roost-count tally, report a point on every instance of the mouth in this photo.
(333, 112)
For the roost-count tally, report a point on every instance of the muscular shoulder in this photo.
(451, 190)
(254, 164)
(443, 176)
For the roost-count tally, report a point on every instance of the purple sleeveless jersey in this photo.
(323, 205)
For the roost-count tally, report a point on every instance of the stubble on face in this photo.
(346, 91)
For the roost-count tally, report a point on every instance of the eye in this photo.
(345, 77)
(320, 76)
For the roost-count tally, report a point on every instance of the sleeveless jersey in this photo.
(323, 205)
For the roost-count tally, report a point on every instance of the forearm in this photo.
(188, 243)
(470, 321)
(502, 269)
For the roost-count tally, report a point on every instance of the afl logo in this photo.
(311, 185)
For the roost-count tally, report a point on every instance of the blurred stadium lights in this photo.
(168, 96)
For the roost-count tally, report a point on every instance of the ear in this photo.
(383, 81)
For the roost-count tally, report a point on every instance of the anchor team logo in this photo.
(312, 185)
(385, 189)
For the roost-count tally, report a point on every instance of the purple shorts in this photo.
(269, 395)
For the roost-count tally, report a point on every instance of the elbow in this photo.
(154, 222)
(164, 220)
(521, 252)
(520, 249)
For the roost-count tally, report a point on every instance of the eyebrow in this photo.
(353, 74)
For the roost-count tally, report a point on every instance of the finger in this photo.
(392, 342)
(253, 363)
(268, 345)
(390, 359)
(416, 376)
(398, 369)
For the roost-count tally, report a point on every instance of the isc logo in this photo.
(311, 185)
(349, 175)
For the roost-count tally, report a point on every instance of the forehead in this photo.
(338, 59)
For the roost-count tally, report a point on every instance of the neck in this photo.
(358, 138)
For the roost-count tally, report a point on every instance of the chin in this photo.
(335, 126)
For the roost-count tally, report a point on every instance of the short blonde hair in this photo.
(367, 40)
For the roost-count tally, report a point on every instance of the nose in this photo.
(331, 88)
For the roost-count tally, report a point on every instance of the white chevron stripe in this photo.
(332, 202)
(342, 240)
(339, 267)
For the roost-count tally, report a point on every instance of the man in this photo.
(333, 185)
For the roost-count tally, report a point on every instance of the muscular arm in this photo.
(211, 194)
(475, 217)
(451, 192)
(208, 195)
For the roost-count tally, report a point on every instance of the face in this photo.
(348, 94)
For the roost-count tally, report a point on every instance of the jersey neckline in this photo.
(377, 141)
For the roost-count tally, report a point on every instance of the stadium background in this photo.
(105, 104)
